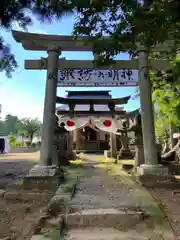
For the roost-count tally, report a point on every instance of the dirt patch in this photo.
(20, 212)
(170, 202)
(15, 166)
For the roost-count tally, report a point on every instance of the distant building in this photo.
(89, 138)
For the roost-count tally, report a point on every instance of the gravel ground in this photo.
(170, 200)
(97, 190)
(10, 171)
(19, 213)
(19, 209)
(15, 166)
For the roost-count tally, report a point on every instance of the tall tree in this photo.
(2, 128)
(167, 118)
(166, 95)
(29, 127)
(10, 124)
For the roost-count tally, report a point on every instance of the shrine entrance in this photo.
(76, 73)
(99, 131)
(95, 140)
(90, 134)
(91, 140)
(91, 120)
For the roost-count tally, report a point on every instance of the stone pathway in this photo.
(105, 209)
(95, 191)
(104, 234)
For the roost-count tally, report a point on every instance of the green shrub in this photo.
(60, 175)
(14, 143)
(18, 143)
(33, 145)
(11, 139)
(28, 144)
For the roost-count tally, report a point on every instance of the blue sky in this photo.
(23, 94)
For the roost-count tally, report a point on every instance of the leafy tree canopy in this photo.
(8, 125)
(25, 127)
(167, 105)
(20, 11)
(124, 21)
(127, 22)
(161, 126)
(166, 97)
(29, 127)
(167, 79)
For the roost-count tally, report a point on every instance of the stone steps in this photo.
(99, 210)
(103, 234)
(110, 218)
(119, 219)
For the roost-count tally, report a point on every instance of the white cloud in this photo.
(32, 29)
(17, 27)
(38, 31)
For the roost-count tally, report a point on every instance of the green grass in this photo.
(60, 175)
(76, 164)
(53, 234)
(127, 162)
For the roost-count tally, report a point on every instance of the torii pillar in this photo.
(49, 106)
(46, 169)
(151, 166)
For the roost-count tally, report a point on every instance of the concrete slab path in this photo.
(104, 208)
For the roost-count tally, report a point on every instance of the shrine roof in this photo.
(99, 92)
(87, 101)
(79, 107)
(89, 94)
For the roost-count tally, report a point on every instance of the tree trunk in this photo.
(31, 138)
(173, 150)
(164, 148)
(172, 130)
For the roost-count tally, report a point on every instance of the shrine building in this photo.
(88, 138)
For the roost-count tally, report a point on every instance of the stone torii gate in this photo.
(54, 45)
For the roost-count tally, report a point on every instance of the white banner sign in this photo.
(97, 78)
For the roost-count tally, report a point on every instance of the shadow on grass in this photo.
(25, 150)
(76, 164)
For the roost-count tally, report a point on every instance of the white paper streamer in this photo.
(93, 122)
